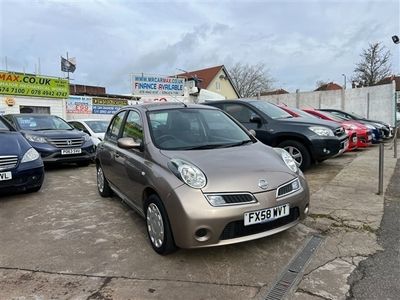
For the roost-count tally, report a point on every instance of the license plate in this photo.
(71, 151)
(5, 176)
(266, 215)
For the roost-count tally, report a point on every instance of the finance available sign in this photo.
(157, 85)
(20, 84)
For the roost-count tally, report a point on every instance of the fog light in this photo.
(306, 209)
(202, 234)
(216, 200)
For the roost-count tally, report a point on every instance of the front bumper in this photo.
(326, 147)
(24, 177)
(52, 154)
(189, 212)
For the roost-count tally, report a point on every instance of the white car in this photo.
(93, 127)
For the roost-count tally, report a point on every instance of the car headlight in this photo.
(188, 173)
(288, 159)
(322, 131)
(30, 155)
(35, 138)
(86, 137)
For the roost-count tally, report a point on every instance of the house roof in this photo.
(274, 92)
(329, 87)
(389, 79)
(205, 76)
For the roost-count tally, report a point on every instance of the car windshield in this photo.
(333, 117)
(97, 126)
(302, 113)
(3, 126)
(44, 122)
(194, 129)
(272, 111)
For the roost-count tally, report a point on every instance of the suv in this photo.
(307, 140)
(54, 138)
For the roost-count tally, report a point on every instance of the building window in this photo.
(218, 85)
(34, 109)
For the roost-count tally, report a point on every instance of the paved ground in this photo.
(67, 242)
(378, 277)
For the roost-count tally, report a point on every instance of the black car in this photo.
(54, 138)
(21, 167)
(385, 129)
(307, 140)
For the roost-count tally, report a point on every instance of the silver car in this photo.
(198, 177)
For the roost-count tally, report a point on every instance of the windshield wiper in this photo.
(39, 129)
(206, 146)
(238, 143)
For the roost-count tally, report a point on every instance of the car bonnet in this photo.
(237, 169)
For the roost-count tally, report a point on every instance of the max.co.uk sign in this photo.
(157, 85)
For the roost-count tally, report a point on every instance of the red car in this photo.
(351, 133)
(364, 135)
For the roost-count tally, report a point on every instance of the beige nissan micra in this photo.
(198, 177)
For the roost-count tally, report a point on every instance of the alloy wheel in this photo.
(100, 179)
(295, 153)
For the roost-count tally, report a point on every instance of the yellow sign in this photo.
(9, 101)
(20, 84)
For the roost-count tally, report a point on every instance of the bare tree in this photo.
(249, 80)
(374, 65)
(320, 83)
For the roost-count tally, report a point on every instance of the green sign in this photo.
(20, 84)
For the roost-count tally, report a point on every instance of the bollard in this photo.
(396, 130)
(380, 184)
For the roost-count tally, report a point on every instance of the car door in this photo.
(133, 160)
(108, 151)
(244, 114)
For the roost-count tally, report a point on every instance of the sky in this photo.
(299, 42)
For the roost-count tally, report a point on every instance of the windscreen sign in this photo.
(20, 84)
(157, 85)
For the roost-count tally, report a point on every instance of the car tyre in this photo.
(299, 152)
(158, 227)
(102, 184)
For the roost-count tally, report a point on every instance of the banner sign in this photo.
(107, 106)
(157, 85)
(20, 84)
(79, 105)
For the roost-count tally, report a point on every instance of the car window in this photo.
(133, 126)
(78, 126)
(3, 126)
(98, 126)
(340, 115)
(271, 110)
(42, 122)
(112, 133)
(239, 112)
(192, 129)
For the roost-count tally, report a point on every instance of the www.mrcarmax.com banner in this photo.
(20, 84)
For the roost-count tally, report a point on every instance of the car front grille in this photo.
(8, 162)
(237, 229)
(66, 143)
(232, 199)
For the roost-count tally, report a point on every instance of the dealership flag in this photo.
(68, 65)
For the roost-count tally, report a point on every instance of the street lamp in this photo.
(345, 79)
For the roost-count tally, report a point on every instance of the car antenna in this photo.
(180, 101)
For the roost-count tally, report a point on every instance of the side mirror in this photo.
(252, 132)
(128, 143)
(255, 119)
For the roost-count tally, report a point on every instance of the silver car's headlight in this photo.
(288, 159)
(188, 173)
(30, 155)
(35, 138)
(321, 131)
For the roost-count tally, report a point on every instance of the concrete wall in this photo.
(375, 102)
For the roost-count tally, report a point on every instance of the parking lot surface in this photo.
(67, 242)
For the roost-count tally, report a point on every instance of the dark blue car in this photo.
(21, 167)
(54, 138)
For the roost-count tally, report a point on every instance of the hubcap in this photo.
(155, 225)
(100, 179)
(295, 153)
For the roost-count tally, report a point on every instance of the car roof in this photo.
(87, 120)
(167, 105)
(33, 115)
